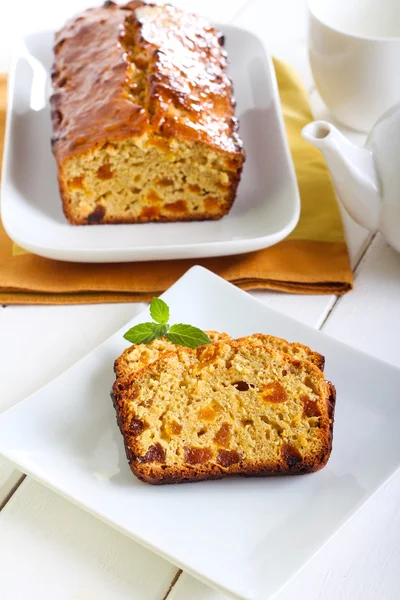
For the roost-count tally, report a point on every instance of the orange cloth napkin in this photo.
(313, 259)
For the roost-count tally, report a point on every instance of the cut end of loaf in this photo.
(231, 408)
(132, 182)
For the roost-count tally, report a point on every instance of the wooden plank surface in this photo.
(9, 480)
(46, 540)
(369, 317)
(50, 549)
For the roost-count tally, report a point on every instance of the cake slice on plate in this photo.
(228, 408)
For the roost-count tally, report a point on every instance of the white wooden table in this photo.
(49, 549)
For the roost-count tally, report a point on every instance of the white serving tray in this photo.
(266, 210)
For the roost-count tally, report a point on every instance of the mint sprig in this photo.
(181, 334)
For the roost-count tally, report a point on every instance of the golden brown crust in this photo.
(190, 93)
(94, 105)
(156, 471)
(292, 348)
(89, 104)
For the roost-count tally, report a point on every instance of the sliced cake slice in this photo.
(138, 356)
(229, 408)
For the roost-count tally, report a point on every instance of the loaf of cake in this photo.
(143, 117)
(228, 408)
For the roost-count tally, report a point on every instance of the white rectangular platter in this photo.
(266, 210)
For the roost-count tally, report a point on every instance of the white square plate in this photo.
(266, 210)
(247, 537)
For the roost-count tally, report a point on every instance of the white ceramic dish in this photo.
(266, 210)
(247, 537)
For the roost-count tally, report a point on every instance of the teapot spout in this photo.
(353, 172)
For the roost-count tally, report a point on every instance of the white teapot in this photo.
(367, 180)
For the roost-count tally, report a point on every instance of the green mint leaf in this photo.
(160, 330)
(144, 333)
(186, 335)
(159, 311)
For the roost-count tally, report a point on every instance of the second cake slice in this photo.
(138, 356)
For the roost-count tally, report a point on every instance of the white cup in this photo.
(354, 49)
